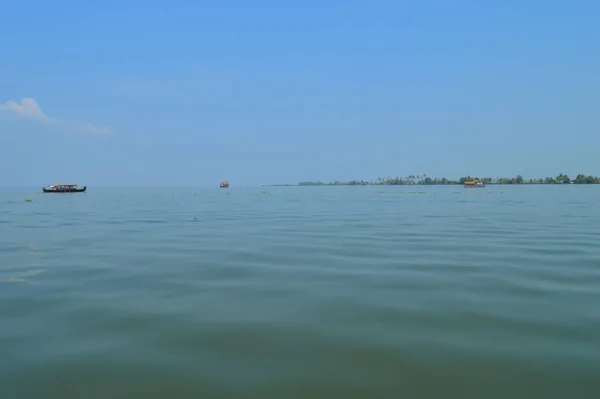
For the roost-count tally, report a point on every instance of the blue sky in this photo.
(195, 92)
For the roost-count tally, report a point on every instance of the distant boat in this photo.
(64, 188)
(474, 184)
(224, 184)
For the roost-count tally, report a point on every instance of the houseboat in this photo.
(474, 184)
(64, 188)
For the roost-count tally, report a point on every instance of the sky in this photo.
(190, 93)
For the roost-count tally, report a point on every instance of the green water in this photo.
(301, 292)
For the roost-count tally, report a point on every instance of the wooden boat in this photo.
(224, 184)
(64, 188)
(474, 184)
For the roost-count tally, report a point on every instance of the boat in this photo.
(224, 184)
(64, 188)
(474, 184)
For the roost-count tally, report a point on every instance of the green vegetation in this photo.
(426, 180)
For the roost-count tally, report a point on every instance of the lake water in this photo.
(301, 292)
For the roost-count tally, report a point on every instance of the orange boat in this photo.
(474, 184)
(224, 184)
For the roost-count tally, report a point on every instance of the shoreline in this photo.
(423, 184)
(424, 180)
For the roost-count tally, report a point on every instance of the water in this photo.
(301, 292)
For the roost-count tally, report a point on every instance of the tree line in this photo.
(427, 180)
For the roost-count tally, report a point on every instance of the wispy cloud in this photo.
(29, 108)
(98, 129)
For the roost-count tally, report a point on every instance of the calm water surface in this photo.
(301, 292)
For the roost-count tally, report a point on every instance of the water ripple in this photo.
(302, 292)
